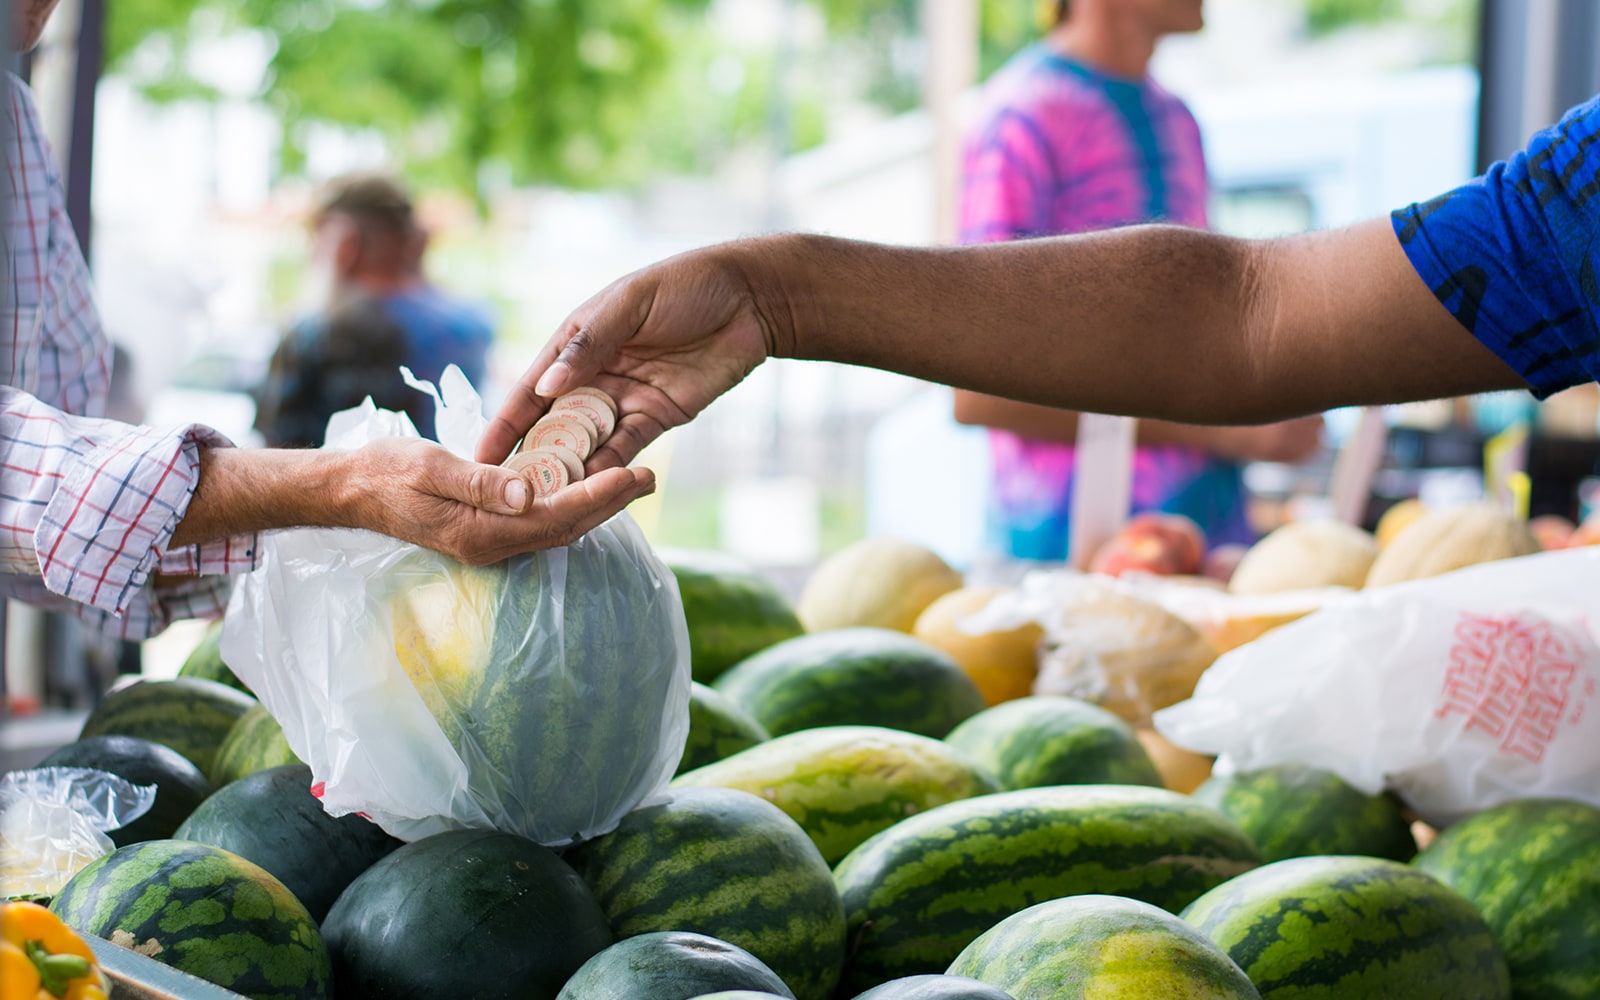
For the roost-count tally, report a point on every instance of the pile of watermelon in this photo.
(852, 818)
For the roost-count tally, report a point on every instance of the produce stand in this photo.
(136, 977)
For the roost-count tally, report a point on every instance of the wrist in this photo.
(767, 268)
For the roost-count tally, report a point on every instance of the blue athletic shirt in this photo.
(1512, 254)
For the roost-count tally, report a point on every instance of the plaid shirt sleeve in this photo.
(87, 506)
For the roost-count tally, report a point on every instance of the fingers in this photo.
(558, 520)
(592, 335)
(487, 487)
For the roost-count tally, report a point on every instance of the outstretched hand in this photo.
(663, 342)
(480, 514)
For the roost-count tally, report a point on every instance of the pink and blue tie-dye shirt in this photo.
(1057, 147)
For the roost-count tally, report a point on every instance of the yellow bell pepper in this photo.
(41, 958)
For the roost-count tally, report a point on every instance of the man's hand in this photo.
(664, 342)
(407, 488)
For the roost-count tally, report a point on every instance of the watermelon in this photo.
(854, 676)
(189, 715)
(255, 743)
(729, 865)
(738, 995)
(843, 784)
(1352, 927)
(1532, 868)
(205, 911)
(1031, 742)
(272, 819)
(670, 965)
(1101, 948)
(922, 890)
(717, 728)
(945, 987)
(732, 612)
(469, 913)
(596, 635)
(180, 786)
(1293, 811)
(205, 661)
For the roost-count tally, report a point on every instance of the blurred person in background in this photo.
(366, 243)
(130, 527)
(1074, 135)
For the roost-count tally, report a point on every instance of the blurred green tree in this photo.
(564, 91)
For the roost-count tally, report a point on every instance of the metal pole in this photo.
(80, 160)
(952, 31)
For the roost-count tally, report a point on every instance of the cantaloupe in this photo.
(1306, 555)
(876, 582)
(1443, 540)
(1181, 770)
(1001, 664)
(1395, 520)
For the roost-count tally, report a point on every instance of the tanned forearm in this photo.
(1152, 321)
(244, 491)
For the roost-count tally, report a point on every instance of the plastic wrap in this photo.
(53, 822)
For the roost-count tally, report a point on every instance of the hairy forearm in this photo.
(243, 491)
(1152, 321)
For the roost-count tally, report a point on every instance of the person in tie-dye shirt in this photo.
(1073, 135)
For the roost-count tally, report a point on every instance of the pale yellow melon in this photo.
(881, 582)
(1306, 555)
(1396, 518)
(1002, 664)
(1442, 540)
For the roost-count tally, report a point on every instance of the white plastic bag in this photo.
(1457, 692)
(546, 695)
(53, 823)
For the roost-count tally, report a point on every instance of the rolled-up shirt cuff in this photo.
(108, 525)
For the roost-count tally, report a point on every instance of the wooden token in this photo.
(602, 415)
(559, 430)
(567, 457)
(545, 471)
(598, 397)
(578, 417)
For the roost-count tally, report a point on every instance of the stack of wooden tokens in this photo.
(553, 453)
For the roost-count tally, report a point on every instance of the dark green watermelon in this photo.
(205, 911)
(670, 965)
(189, 715)
(205, 661)
(1051, 740)
(255, 743)
(272, 818)
(1352, 928)
(732, 611)
(717, 728)
(470, 913)
(1532, 868)
(854, 676)
(1294, 811)
(935, 987)
(729, 865)
(180, 786)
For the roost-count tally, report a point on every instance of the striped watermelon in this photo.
(1101, 948)
(945, 987)
(717, 728)
(205, 911)
(732, 611)
(189, 715)
(670, 965)
(1294, 811)
(180, 786)
(854, 676)
(1031, 742)
(922, 890)
(729, 865)
(1532, 868)
(738, 995)
(205, 661)
(1352, 928)
(843, 784)
(272, 819)
(255, 743)
(469, 913)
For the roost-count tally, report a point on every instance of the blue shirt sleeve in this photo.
(1512, 254)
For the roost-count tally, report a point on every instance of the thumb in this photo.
(486, 487)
